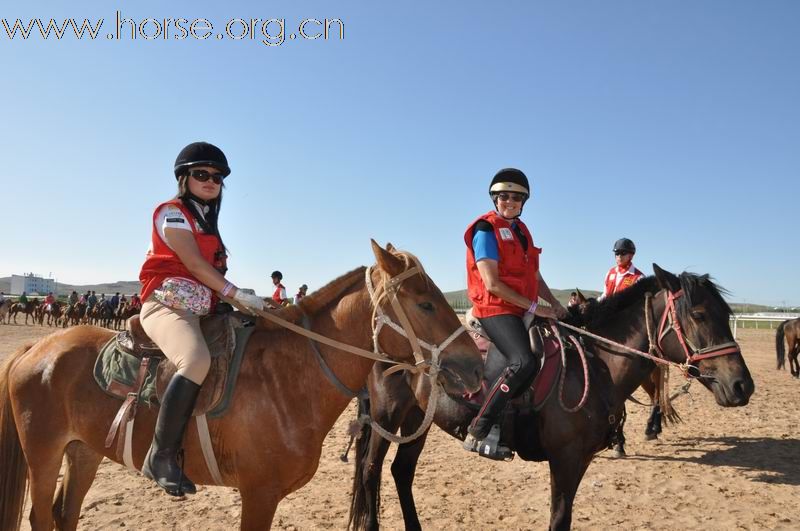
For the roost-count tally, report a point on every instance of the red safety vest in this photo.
(280, 290)
(628, 279)
(162, 262)
(518, 269)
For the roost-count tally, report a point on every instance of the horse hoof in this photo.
(650, 436)
(619, 454)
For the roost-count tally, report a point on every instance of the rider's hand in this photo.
(247, 300)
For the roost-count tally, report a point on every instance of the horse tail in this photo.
(780, 345)
(14, 473)
(359, 509)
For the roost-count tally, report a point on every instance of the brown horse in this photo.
(787, 337)
(28, 308)
(697, 316)
(50, 404)
(5, 308)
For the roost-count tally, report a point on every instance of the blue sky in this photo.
(676, 124)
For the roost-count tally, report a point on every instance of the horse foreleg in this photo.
(82, 463)
(405, 466)
(618, 439)
(567, 467)
(258, 507)
(653, 424)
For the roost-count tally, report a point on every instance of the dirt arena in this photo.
(720, 469)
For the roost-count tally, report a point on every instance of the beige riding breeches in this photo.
(177, 333)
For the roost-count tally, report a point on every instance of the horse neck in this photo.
(627, 371)
(347, 319)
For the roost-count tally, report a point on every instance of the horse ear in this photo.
(390, 247)
(581, 298)
(665, 279)
(386, 260)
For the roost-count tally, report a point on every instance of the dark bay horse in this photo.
(787, 337)
(696, 315)
(28, 308)
(269, 442)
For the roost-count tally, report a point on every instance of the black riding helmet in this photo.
(277, 274)
(624, 244)
(201, 154)
(510, 180)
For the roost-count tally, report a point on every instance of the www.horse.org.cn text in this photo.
(267, 31)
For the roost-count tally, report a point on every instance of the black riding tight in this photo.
(508, 333)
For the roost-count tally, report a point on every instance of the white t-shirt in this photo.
(170, 216)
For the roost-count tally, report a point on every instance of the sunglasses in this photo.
(203, 176)
(518, 198)
(621, 253)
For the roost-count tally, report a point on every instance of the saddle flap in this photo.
(218, 330)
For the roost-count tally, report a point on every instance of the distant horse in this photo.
(694, 329)
(74, 313)
(5, 308)
(124, 312)
(53, 313)
(269, 442)
(788, 336)
(28, 308)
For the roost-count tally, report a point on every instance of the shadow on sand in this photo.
(777, 460)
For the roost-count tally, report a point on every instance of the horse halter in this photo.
(391, 286)
(671, 323)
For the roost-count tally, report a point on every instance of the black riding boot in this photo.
(160, 463)
(484, 431)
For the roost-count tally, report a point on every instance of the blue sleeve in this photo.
(484, 245)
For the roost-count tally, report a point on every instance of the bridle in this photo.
(670, 323)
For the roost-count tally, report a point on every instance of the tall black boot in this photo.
(492, 408)
(484, 432)
(160, 463)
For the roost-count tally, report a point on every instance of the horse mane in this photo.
(311, 304)
(599, 313)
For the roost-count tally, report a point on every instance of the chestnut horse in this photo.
(788, 336)
(50, 404)
(694, 314)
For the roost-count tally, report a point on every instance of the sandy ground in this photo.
(720, 469)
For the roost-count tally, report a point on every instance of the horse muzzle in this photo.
(461, 372)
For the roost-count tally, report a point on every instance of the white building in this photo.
(31, 284)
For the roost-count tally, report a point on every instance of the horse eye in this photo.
(698, 316)
(427, 306)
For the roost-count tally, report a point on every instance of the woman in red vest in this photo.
(504, 284)
(183, 269)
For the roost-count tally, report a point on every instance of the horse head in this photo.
(415, 323)
(694, 328)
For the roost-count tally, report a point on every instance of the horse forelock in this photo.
(409, 260)
(692, 284)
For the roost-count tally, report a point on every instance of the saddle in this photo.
(131, 364)
(541, 388)
(517, 430)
